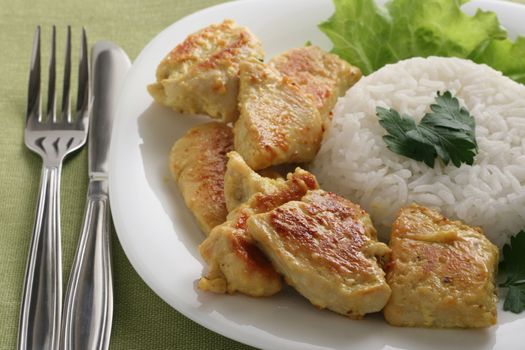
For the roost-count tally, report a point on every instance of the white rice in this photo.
(355, 162)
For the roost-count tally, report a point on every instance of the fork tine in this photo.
(33, 93)
(51, 115)
(83, 83)
(66, 113)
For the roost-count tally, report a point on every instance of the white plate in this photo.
(160, 236)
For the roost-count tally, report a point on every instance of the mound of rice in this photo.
(355, 162)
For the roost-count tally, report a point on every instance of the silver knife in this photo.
(88, 307)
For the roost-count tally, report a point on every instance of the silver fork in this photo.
(52, 138)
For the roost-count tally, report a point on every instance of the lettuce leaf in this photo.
(370, 36)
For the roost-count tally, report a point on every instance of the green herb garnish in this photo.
(448, 132)
(370, 36)
(512, 268)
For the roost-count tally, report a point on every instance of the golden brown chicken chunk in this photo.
(326, 248)
(323, 75)
(441, 274)
(197, 164)
(201, 75)
(235, 264)
(241, 182)
(278, 122)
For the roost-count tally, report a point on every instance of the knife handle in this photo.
(88, 308)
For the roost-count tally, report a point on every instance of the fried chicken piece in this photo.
(235, 264)
(241, 182)
(323, 75)
(327, 249)
(441, 274)
(278, 122)
(197, 164)
(201, 75)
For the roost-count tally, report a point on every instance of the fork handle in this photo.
(41, 307)
(88, 309)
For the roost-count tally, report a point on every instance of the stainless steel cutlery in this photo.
(52, 137)
(85, 322)
(88, 308)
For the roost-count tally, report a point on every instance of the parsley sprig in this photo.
(448, 131)
(512, 268)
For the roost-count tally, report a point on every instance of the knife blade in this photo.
(88, 308)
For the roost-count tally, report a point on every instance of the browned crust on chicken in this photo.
(326, 248)
(278, 122)
(235, 263)
(298, 229)
(241, 182)
(227, 38)
(296, 187)
(441, 274)
(197, 164)
(245, 249)
(323, 75)
(201, 75)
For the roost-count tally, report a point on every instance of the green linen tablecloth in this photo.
(141, 319)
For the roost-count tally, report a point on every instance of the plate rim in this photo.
(206, 322)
